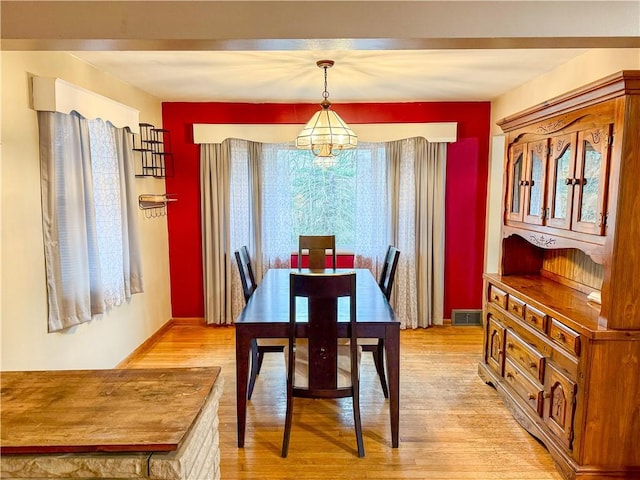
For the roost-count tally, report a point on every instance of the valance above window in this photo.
(441, 132)
(56, 95)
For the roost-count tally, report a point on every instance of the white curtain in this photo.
(276, 240)
(91, 242)
(417, 174)
(371, 213)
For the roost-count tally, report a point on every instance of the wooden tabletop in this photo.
(62, 411)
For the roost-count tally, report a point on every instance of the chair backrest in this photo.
(317, 245)
(247, 277)
(322, 292)
(388, 273)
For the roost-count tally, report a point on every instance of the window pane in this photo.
(323, 197)
(516, 176)
(108, 210)
(591, 176)
(535, 193)
(302, 196)
(561, 188)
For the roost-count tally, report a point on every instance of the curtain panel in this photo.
(416, 176)
(89, 217)
(215, 164)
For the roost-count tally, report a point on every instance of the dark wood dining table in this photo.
(266, 315)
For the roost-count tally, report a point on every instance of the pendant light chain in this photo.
(325, 94)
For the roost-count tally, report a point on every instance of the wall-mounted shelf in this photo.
(154, 147)
(154, 204)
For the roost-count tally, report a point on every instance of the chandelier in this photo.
(326, 134)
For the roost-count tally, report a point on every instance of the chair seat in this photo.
(301, 377)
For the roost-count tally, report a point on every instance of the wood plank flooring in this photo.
(452, 425)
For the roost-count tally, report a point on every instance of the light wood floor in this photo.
(452, 425)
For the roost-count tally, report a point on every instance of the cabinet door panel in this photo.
(495, 345)
(515, 183)
(561, 173)
(559, 404)
(592, 171)
(534, 182)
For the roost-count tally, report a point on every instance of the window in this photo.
(89, 217)
(301, 196)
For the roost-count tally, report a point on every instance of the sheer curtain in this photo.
(91, 242)
(277, 197)
(416, 176)
(371, 212)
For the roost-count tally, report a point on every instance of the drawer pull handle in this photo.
(533, 319)
(560, 336)
(510, 346)
(514, 308)
(533, 364)
(496, 298)
(509, 375)
(532, 396)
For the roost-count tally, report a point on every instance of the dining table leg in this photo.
(243, 345)
(392, 348)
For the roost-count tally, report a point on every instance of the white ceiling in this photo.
(358, 75)
(265, 51)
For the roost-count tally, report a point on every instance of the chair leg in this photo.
(260, 360)
(255, 367)
(358, 424)
(287, 425)
(378, 360)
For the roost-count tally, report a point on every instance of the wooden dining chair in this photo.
(388, 274)
(247, 277)
(317, 245)
(376, 345)
(320, 366)
(259, 346)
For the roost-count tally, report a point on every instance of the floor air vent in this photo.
(466, 317)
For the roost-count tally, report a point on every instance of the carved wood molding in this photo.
(551, 126)
(541, 240)
(626, 82)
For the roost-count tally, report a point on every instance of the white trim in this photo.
(287, 132)
(56, 95)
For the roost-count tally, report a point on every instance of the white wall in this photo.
(589, 67)
(108, 339)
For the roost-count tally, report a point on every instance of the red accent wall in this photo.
(466, 187)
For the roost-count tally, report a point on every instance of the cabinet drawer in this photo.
(497, 296)
(536, 318)
(529, 391)
(518, 351)
(516, 306)
(564, 336)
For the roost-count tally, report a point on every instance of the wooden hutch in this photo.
(566, 366)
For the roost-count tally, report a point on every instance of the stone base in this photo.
(197, 458)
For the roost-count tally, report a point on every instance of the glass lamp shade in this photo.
(326, 134)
